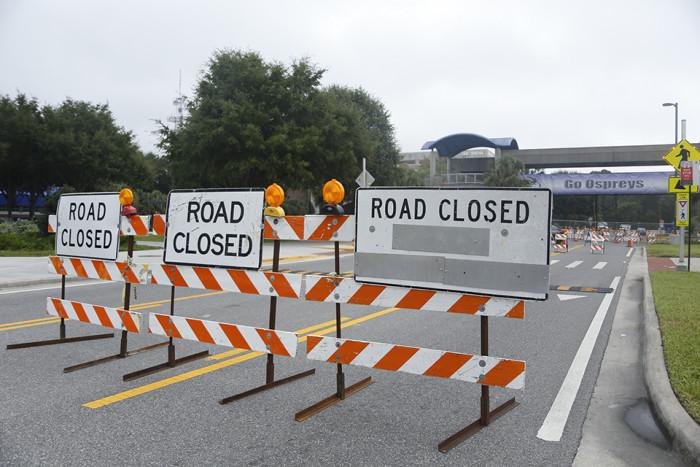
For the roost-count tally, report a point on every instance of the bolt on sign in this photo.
(87, 225)
(682, 200)
(215, 228)
(485, 241)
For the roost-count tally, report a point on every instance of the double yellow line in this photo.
(28, 323)
(246, 355)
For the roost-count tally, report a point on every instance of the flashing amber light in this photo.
(333, 192)
(274, 195)
(126, 197)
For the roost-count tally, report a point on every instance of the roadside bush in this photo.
(25, 241)
(18, 227)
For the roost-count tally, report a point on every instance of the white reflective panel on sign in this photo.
(487, 241)
(215, 228)
(88, 225)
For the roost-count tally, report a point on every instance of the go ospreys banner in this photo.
(629, 183)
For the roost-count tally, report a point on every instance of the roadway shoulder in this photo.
(684, 432)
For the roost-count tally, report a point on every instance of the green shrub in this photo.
(25, 241)
(18, 227)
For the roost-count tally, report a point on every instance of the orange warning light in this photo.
(274, 195)
(126, 197)
(333, 192)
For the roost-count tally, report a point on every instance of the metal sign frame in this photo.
(214, 190)
(437, 286)
(116, 233)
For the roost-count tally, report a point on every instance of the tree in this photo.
(506, 172)
(252, 122)
(23, 166)
(89, 151)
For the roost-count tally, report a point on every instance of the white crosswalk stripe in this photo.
(554, 261)
(573, 265)
(600, 265)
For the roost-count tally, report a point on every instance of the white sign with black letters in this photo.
(484, 241)
(215, 228)
(87, 225)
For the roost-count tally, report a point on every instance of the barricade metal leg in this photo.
(270, 381)
(486, 415)
(123, 352)
(341, 391)
(62, 339)
(172, 361)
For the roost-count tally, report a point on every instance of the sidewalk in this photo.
(620, 397)
(25, 271)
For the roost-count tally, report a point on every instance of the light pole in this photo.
(674, 104)
(681, 260)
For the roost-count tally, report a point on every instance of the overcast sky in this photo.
(549, 73)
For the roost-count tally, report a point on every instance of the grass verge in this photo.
(671, 251)
(33, 244)
(676, 296)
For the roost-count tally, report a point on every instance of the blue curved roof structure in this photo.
(452, 145)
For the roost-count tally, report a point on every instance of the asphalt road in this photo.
(173, 418)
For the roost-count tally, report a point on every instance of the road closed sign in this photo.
(483, 241)
(87, 225)
(215, 228)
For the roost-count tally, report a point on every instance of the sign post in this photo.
(365, 178)
(683, 156)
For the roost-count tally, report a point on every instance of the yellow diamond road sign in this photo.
(674, 186)
(683, 151)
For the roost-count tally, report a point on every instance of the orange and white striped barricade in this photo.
(560, 243)
(484, 370)
(110, 219)
(269, 341)
(651, 237)
(384, 241)
(114, 318)
(336, 289)
(597, 243)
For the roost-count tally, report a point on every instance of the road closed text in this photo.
(86, 236)
(88, 225)
(504, 211)
(216, 228)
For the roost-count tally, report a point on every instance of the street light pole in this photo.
(681, 259)
(675, 126)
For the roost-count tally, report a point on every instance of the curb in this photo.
(684, 432)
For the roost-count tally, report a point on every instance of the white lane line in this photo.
(554, 261)
(82, 284)
(600, 265)
(553, 425)
(573, 265)
(629, 253)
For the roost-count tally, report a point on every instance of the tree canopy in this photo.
(76, 143)
(506, 172)
(252, 122)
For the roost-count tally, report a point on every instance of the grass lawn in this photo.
(152, 238)
(677, 297)
(671, 251)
